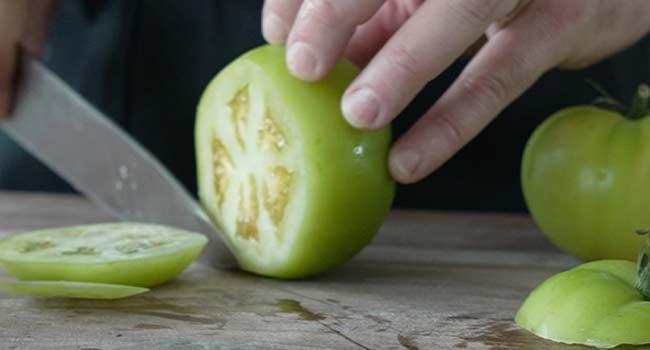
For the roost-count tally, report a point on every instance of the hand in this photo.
(23, 23)
(404, 44)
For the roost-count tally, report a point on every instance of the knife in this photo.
(61, 129)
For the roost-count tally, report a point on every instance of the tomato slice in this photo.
(67, 289)
(133, 254)
(593, 304)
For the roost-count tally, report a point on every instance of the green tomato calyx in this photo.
(643, 267)
(641, 105)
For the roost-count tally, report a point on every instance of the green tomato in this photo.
(67, 289)
(593, 304)
(131, 254)
(585, 177)
(294, 189)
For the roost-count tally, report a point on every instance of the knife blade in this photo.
(61, 129)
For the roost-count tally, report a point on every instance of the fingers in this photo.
(12, 18)
(8, 57)
(369, 37)
(36, 28)
(436, 34)
(277, 18)
(22, 24)
(315, 31)
(507, 65)
(320, 33)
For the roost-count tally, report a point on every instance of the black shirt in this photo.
(146, 62)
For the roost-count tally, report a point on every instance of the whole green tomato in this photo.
(294, 189)
(586, 179)
(599, 303)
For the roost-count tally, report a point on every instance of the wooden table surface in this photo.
(430, 280)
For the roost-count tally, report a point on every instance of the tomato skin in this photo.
(348, 187)
(67, 289)
(586, 181)
(350, 193)
(593, 304)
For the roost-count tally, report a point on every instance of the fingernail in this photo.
(361, 108)
(302, 61)
(274, 29)
(404, 164)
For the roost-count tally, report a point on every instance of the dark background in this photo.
(145, 63)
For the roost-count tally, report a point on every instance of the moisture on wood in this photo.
(429, 280)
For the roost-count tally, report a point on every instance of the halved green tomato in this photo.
(67, 289)
(592, 304)
(293, 187)
(131, 254)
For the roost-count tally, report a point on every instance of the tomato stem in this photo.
(643, 267)
(641, 104)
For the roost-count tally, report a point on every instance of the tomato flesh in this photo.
(133, 254)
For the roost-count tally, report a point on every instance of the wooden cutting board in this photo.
(430, 280)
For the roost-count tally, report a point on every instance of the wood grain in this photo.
(430, 280)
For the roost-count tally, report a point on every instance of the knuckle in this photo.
(561, 26)
(325, 12)
(489, 91)
(559, 18)
(455, 137)
(272, 6)
(480, 11)
(568, 12)
(409, 6)
(404, 60)
(578, 62)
